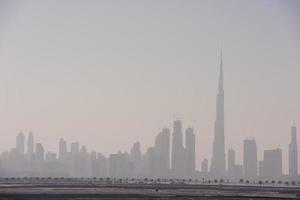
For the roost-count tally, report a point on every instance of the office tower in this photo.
(136, 158)
(84, 163)
(190, 152)
(162, 148)
(117, 165)
(234, 171)
(178, 163)
(204, 166)
(30, 144)
(165, 149)
(152, 163)
(160, 155)
(98, 165)
(218, 158)
(231, 162)
(39, 152)
(20, 143)
(272, 163)
(74, 148)
(75, 160)
(62, 149)
(293, 153)
(102, 165)
(250, 159)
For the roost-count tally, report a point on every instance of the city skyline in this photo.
(108, 74)
(168, 158)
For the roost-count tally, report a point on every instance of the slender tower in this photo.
(218, 158)
(293, 153)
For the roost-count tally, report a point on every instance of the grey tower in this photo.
(177, 150)
(190, 152)
(293, 153)
(20, 143)
(30, 144)
(218, 158)
(250, 158)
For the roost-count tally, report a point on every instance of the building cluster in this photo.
(76, 161)
(168, 158)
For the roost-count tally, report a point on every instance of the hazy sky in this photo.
(108, 73)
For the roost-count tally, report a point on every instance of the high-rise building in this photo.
(231, 162)
(250, 159)
(39, 152)
(136, 158)
(234, 171)
(293, 153)
(163, 147)
(178, 163)
(74, 148)
(30, 144)
(62, 152)
(218, 162)
(190, 152)
(271, 166)
(20, 143)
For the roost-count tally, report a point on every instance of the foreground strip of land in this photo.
(143, 191)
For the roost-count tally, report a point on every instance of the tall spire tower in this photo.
(218, 158)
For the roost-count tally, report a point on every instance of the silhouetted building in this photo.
(30, 144)
(136, 158)
(39, 153)
(190, 152)
(162, 147)
(250, 159)
(218, 162)
(117, 165)
(178, 162)
(271, 166)
(293, 153)
(30, 149)
(62, 152)
(234, 171)
(20, 143)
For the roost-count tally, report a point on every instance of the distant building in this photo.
(62, 151)
(293, 153)
(178, 151)
(162, 151)
(250, 159)
(190, 152)
(117, 165)
(218, 162)
(271, 166)
(74, 148)
(20, 143)
(234, 171)
(30, 144)
(39, 153)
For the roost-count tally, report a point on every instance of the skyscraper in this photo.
(234, 171)
(62, 149)
(30, 144)
(162, 145)
(250, 158)
(20, 143)
(293, 153)
(272, 164)
(218, 158)
(177, 150)
(39, 153)
(190, 151)
(231, 162)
